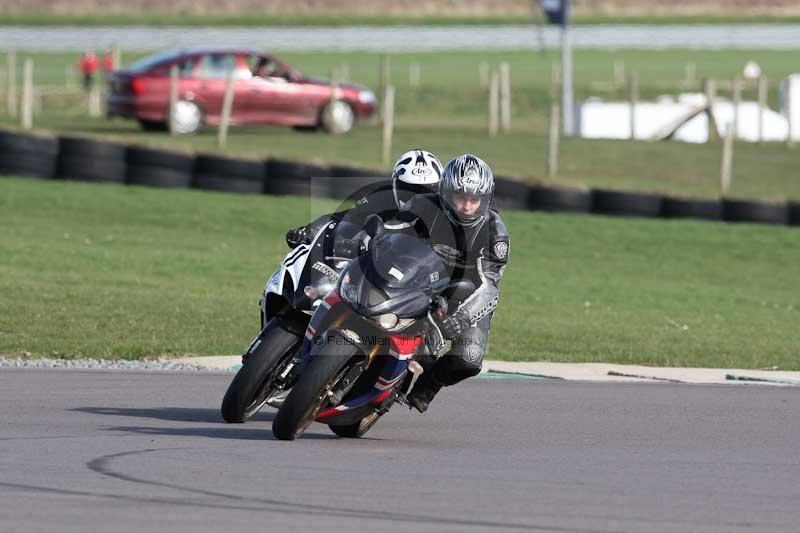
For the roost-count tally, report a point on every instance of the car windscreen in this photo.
(146, 63)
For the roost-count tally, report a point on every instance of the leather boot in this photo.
(423, 392)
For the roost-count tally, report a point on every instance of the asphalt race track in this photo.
(148, 451)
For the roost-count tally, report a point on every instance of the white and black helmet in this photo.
(467, 175)
(415, 172)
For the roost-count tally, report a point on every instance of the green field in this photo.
(447, 114)
(111, 271)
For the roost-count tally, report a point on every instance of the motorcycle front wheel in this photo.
(311, 392)
(252, 385)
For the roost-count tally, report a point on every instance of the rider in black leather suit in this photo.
(473, 242)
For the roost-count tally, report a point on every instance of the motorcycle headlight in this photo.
(366, 97)
(347, 291)
(387, 321)
(311, 292)
(390, 322)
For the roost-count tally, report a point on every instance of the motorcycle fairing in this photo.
(400, 352)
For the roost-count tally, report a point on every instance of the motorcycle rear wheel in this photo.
(250, 388)
(310, 394)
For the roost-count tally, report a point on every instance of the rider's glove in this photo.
(296, 236)
(348, 248)
(452, 326)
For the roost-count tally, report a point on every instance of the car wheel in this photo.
(337, 117)
(187, 117)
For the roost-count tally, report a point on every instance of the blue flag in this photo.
(557, 11)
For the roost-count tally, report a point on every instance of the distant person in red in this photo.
(108, 63)
(88, 65)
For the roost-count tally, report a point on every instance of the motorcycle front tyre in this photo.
(246, 394)
(308, 396)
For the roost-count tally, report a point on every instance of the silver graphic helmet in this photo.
(466, 189)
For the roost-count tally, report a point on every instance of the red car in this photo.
(265, 91)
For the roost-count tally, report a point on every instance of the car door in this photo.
(277, 99)
(211, 73)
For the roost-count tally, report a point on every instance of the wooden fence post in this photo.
(11, 94)
(173, 97)
(27, 94)
(335, 77)
(727, 160)
(555, 82)
(227, 105)
(95, 101)
(710, 90)
(737, 102)
(633, 98)
(790, 103)
(505, 96)
(762, 103)
(494, 103)
(552, 140)
(388, 124)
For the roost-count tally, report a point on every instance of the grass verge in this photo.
(111, 271)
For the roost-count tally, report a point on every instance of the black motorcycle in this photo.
(370, 338)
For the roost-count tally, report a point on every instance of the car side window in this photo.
(216, 66)
(185, 67)
(264, 67)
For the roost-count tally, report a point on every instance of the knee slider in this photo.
(454, 369)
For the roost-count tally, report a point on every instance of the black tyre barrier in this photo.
(560, 199)
(339, 171)
(353, 187)
(606, 202)
(158, 168)
(512, 194)
(151, 157)
(41, 166)
(353, 183)
(794, 213)
(215, 173)
(13, 142)
(91, 160)
(749, 211)
(93, 170)
(289, 177)
(32, 156)
(685, 208)
(158, 177)
(81, 147)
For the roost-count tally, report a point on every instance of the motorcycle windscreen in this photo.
(398, 276)
(320, 270)
(404, 262)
